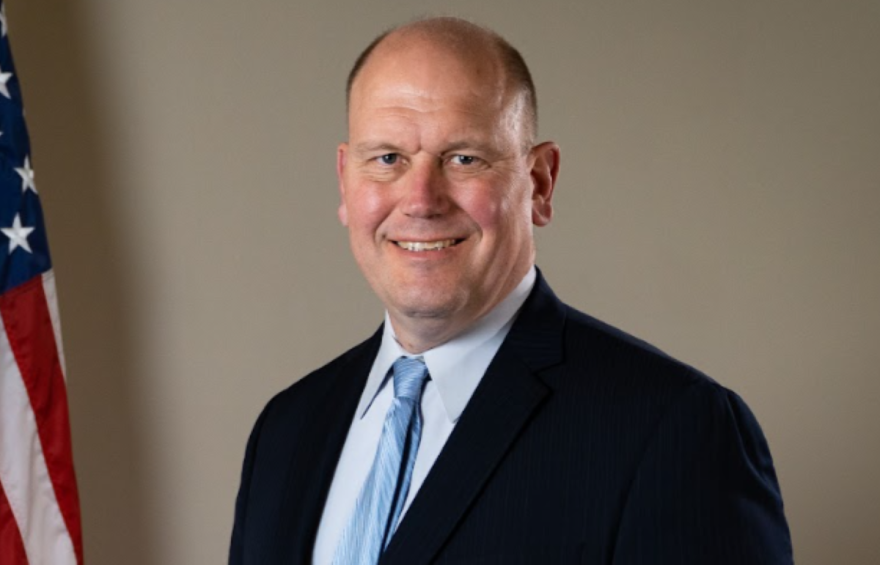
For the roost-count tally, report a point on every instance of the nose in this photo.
(425, 190)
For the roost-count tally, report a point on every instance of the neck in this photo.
(419, 335)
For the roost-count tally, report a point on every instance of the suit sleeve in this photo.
(237, 546)
(706, 490)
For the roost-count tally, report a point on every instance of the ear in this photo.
(342, 212)
(545, 169)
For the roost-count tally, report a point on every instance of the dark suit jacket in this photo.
(580, 445)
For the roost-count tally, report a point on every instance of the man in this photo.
(487, 422)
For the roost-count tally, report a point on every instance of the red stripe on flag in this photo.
(32, 338)
(11, 546)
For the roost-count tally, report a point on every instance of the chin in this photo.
(427, 313)
(428, 305)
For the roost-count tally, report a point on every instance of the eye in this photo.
(389, 158)
(464, 159)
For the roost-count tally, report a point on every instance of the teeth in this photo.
(426, 245)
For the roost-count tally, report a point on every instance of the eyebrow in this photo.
(470, 144)
(377, 146)
(370, 146)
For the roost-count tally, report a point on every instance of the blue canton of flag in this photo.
(21, 217)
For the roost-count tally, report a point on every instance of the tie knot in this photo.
(409, 376)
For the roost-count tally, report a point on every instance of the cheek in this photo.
(496, 210)
(367, 208)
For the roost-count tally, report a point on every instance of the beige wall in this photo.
(720, 197)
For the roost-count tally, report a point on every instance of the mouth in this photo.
(422, 246)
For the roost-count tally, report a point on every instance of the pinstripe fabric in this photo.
(380, 502)
(580, 445)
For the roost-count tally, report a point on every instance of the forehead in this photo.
(429, 67)
(424, 77)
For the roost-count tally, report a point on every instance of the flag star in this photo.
(4, 78)
(27, 176)
(18, 235)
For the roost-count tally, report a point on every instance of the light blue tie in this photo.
(381, 499)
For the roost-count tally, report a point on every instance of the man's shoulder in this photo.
(615, 343)
(575, 351)
(635, 383)
(623, 361)
(580, 325)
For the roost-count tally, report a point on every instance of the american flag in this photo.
(39, 505)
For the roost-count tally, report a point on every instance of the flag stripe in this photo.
(11, 546)
(31, 338)
(23, 471)
(52, 301)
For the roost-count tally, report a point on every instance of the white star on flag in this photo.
(27, 176)
(4, 78)
(18, 235)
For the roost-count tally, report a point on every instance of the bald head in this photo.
(469, 43)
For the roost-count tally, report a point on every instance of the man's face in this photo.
(438, 190)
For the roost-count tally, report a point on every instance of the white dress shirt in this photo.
(455, 368)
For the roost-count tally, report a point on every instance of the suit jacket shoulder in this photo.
(581, 444)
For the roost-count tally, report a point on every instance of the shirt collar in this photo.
(457, 366)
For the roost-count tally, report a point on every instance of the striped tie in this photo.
(381, 499)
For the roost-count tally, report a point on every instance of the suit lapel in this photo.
(312, 468)
(502, 405)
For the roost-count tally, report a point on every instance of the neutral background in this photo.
(719, 197)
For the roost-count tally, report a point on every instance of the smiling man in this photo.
(486, 421)
(440, 182)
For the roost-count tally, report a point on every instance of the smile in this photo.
(427, 245)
